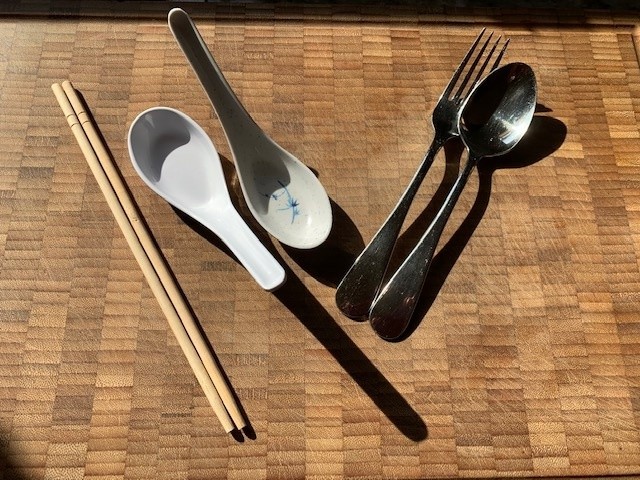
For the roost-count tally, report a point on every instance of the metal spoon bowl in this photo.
(499, 112)
(494, 118)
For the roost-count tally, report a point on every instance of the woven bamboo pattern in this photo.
(524, 357)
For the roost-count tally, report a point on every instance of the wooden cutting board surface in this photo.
(524, 359)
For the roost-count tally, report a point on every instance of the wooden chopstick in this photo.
(151, 262)
(156, 259)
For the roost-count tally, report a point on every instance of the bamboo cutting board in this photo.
(524, 356)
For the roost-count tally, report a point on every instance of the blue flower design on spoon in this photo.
(291, 204)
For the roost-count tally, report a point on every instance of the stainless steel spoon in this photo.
(359, 287)
(494, 118)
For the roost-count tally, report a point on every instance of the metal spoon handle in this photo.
(233, 116)
(357, 290)
(393, 308)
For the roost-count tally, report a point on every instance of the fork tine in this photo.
(488, 57)
(472, 68)
(463, 64)
(500, 55)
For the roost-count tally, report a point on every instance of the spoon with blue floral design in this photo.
(283, 194)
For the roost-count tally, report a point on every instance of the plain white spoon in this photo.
(282, 193)
(177, 160)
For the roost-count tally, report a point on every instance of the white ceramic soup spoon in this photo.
(283, 194)
(177, 160)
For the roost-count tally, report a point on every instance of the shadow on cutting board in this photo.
(329, 262)
(297, 298)
(9, 468)
(546, 134)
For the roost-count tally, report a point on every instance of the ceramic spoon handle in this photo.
(393, 308)
(233, 116)
(247, 248)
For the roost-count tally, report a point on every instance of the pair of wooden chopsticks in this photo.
(153, 266)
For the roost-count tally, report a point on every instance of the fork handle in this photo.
(357, 290)
(394, 307)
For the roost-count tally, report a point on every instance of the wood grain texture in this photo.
(524, 358)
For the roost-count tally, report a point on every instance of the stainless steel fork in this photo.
(358, 289)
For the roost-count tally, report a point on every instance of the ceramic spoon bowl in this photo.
(283, 194)
(174, 156)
